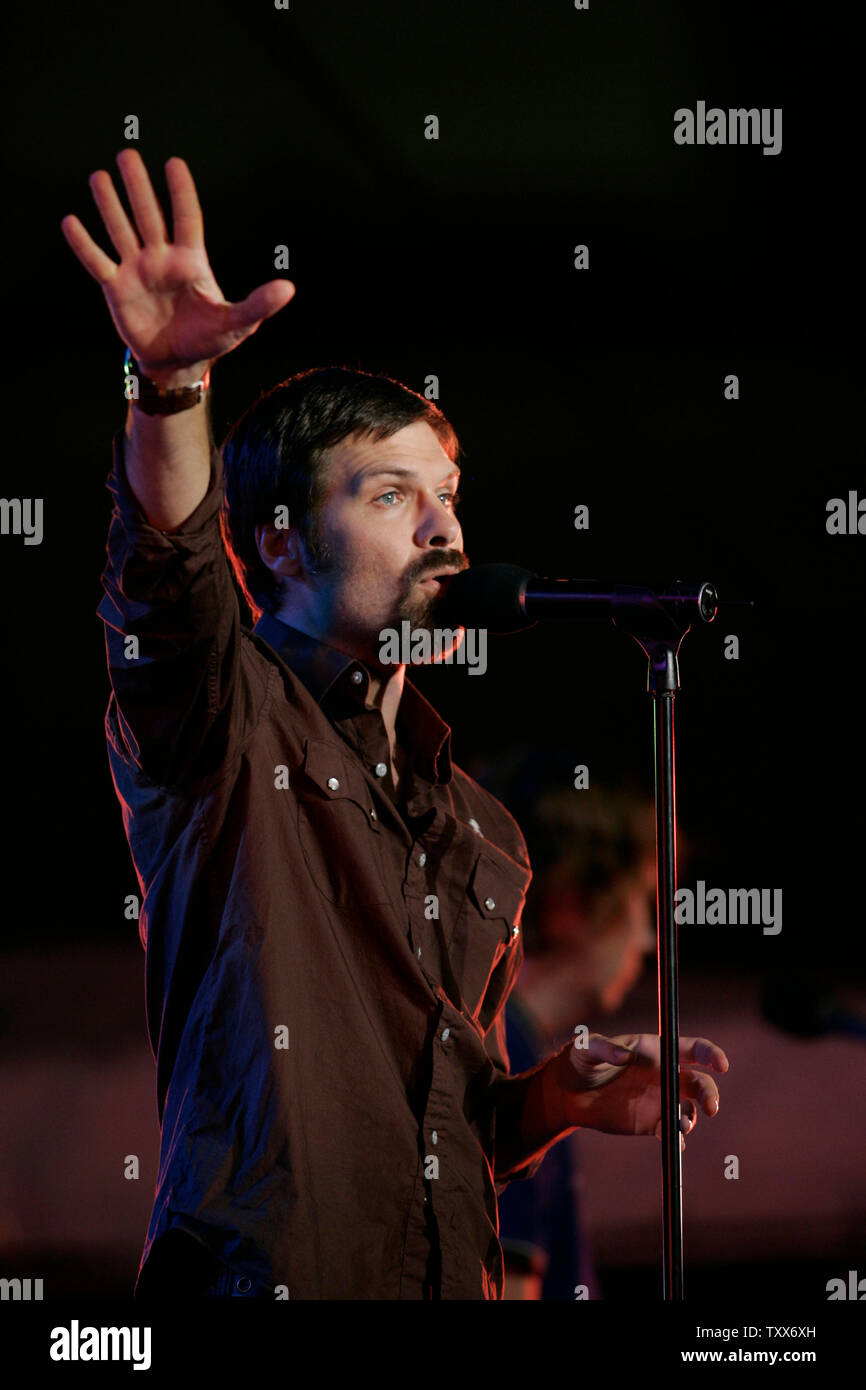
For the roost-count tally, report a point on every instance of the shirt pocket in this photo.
(488, 926)
(338, 828)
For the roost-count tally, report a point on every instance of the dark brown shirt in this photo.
(327, 963)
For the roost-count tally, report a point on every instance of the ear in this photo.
(280, 549)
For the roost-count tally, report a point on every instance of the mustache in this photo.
(434, 564)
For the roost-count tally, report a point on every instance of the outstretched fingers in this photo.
(91, 256)
(186, 215)
(699, 1051)
(704, 1053)
(143, 200)
(265, 301)
(113, 214)
(701, 1088)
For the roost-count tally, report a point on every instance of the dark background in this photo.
(605, 387)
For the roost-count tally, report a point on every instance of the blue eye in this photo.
(394, 492)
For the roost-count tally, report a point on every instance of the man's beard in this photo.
(417, 608)
(414, 604)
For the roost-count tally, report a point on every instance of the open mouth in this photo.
(435, 582)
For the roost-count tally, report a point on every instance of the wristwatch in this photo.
(160, 400)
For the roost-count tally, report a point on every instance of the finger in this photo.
(688, 1116)
(91, 256)
(113, 214)
(701, 1088)
(645, 1046)
(704, 1052)
(593, 1056)
(148, 214)
(261, 304)
(602, 1049)
(186, 218)
(658, 1134)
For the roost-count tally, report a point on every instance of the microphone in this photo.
(508, 598)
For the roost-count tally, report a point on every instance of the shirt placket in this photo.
(426, 898)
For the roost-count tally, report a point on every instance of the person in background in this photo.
(589, 925)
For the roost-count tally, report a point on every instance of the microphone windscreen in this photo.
(486, 596)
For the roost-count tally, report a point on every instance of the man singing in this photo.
(331, 907)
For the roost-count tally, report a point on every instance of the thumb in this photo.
(602, 1049)
(265, 301)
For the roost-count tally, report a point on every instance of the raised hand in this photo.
(163, 297)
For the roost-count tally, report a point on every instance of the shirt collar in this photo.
(332, 677)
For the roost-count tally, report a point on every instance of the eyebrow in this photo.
(392, 472)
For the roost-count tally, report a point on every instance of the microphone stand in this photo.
(658, 623)
(505, 597)
(659, 629)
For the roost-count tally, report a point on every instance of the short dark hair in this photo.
(596, 842)
(273, 456)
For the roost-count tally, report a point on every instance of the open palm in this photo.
(163, 297)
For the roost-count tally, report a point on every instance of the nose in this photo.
(438, 526)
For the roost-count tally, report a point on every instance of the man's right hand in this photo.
(163, 298)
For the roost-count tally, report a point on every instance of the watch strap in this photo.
(159, 400)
